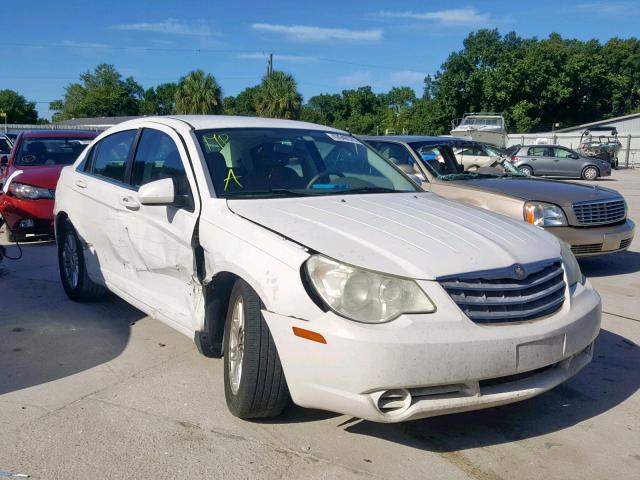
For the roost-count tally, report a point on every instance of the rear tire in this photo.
(590, 173)
(526, 170)
(254, 383)
(73, 273)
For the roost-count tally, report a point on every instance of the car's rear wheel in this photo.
(73, 273)
(254, 383)
(526, 170)
(590, 173)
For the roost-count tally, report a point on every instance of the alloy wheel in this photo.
(71, 260)
(236, 344)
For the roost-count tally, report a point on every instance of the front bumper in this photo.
(15, 210)
(444, 361)
(591, 241)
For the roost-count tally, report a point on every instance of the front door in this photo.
(159, 258)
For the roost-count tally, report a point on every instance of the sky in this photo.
(328, 45)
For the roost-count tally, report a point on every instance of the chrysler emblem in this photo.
(519, 272)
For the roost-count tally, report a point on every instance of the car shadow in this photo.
(608, 381)
(44, 336)
(615, 264)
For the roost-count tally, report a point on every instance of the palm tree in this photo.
(278, 97)
(198, 93)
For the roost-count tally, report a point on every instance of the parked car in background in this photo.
(319, 270)
(474, 155)
(592, 220)
(5, 144)
(558, 161)
(30, 176)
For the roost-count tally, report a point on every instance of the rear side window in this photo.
(539, 152)
(562, 153)
(109, 157)
(394, 152)
(157, 157)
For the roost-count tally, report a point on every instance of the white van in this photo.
(319, 271)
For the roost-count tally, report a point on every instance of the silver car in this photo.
(557, 161)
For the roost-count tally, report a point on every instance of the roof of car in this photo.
(205, 122)
(59, 133)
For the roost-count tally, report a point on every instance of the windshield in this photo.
(5, 145)
(50, 151)
(252, 162)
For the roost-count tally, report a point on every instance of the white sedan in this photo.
(319, 271)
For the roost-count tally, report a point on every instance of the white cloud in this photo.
(451, 17)
(276, 57)
(309, 33)
(169, 26)
(609, 8)
(358, 78)
(406, 77)
(88, 45)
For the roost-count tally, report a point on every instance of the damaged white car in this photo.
(319, 271)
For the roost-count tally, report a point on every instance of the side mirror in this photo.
(160, 192)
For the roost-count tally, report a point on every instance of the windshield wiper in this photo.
(373, 190)
(276, 192)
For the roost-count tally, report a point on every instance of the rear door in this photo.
(541, 160)
(99, 185)
(158, 254)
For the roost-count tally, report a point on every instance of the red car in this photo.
(29, 177)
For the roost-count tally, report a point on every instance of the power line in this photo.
(98, 46)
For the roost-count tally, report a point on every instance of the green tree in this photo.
(102, 93)
(17, 108)
(242, 104)
(159, 100)
(278, 97)
(198, 93)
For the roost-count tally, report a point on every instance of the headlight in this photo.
(571, 267)
(362, 295)
(544, 214)
(20, 190)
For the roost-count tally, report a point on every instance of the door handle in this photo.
(81, 184)
(129, 203)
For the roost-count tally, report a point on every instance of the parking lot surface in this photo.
(102, 391)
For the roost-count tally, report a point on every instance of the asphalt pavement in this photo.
(101, 391)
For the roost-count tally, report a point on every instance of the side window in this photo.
(562, 153)
(157, 157)
(538, 152)
(110, 158)
(394, 152)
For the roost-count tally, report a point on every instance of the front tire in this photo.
(590, 173)
(73, 272)
(254, 383)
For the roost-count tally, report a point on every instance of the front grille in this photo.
(588, 248)
(498, 296)
(625, 243)
(598, 213)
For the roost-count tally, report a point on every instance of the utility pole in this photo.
(270, 64)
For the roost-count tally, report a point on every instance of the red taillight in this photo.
(513, 158)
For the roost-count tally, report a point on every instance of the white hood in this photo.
(417, 235)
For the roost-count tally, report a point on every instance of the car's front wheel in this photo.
(590, 173)
(254, 383)
(73, 272)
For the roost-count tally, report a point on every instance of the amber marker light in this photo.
(309, 335)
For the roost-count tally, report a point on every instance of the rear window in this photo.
(50, 151)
